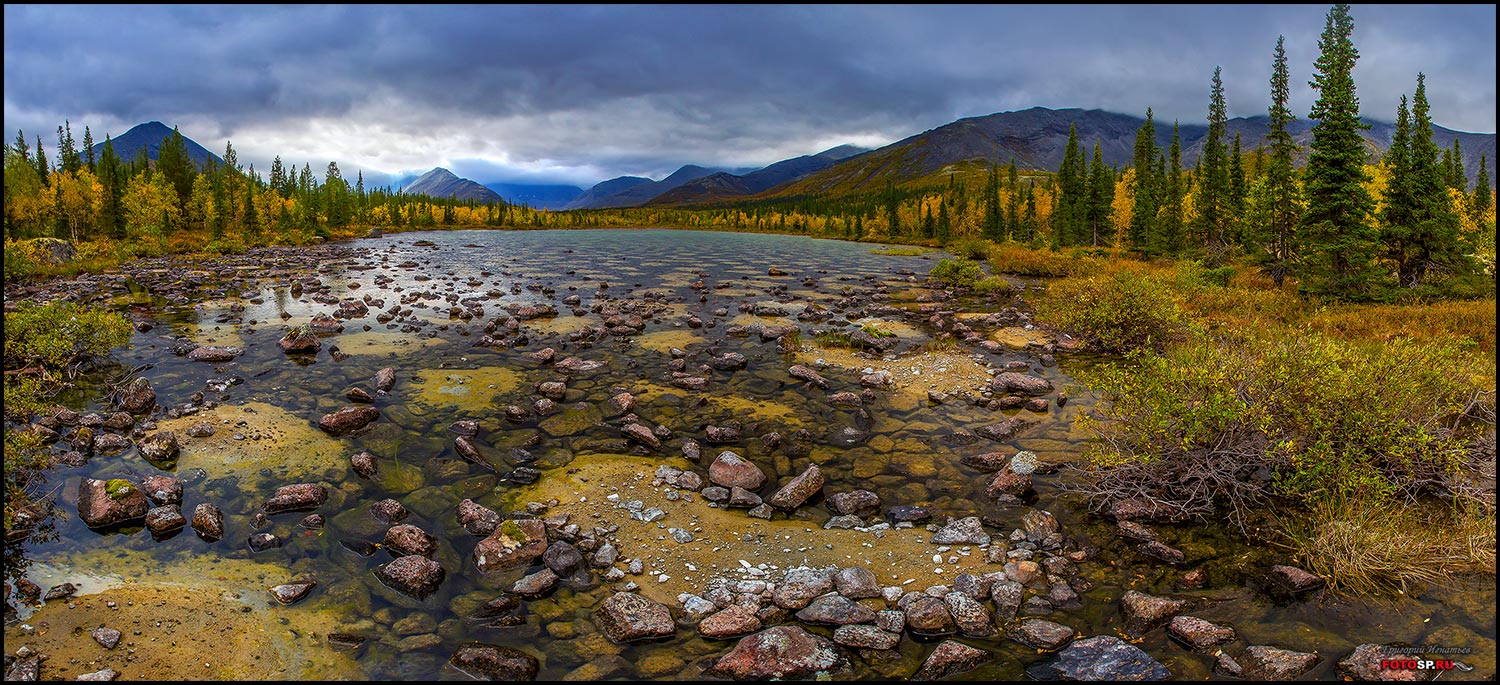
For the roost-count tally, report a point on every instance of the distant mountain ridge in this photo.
(1036, 138)
(536, 196)
(150, 136)
(443, 183)
(723, 186)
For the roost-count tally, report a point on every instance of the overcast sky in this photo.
(579, 94)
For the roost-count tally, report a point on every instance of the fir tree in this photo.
(173, 162)
(88, 149)
(67, 154)
(22, 150)
(1339, 241)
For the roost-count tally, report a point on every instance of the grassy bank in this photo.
(1366, 431)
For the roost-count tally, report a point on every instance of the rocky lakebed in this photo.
(627, 455)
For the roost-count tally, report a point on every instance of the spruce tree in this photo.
(991, 229)
(1482, 199)
(1143, 211)
(173, 162)
(1213, 173)
(1072, 184)
(1398, 212)
(1434, 238)
(1167, 236)
(1101, 197)
(43, 170)
(1457, 177)
(1340, 242)
(112, 179)
(89, 156)
(1235, 210)
(22, 150)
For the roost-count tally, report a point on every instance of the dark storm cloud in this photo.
(583, 93)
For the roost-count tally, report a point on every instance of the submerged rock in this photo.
(798, 490)
(494, 662)
(348, 419)
(1272, 663)
(412, 575)
(1103, 657)
(951, 658)
(783, 653)
(107, 503)
(628, 617)
(297, 497)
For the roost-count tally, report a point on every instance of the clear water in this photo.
(420, 467)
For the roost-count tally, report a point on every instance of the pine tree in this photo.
(279, 178)
(1143, 212)
(1339, 241)
(1213, 173)
(944, 222)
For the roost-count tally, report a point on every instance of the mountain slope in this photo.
(1036, 139)
(443, 183)
(150, 136)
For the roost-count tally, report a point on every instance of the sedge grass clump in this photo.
(1366, 548)
(971, 248)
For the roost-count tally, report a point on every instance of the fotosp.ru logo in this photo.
(1417, 664)
(1402, 658)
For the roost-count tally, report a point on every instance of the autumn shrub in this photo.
(958, 273)
(1120, 310)
(1028, 261)
(1301, 417)
(991, 285)
(971, 248)
(43, 344)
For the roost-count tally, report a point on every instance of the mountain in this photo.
(150, 136)
(603, 190)
(442, 183)
(1036, 139)
(635, 191)
(536, 196)
(725, 186)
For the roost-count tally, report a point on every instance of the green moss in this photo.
(118, 488)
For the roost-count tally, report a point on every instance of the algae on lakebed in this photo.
(273, 445)
(178, 613)
(465, 389)
(723, 537)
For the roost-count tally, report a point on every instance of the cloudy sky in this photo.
(579, 94)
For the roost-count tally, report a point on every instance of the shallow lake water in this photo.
(896, 443)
